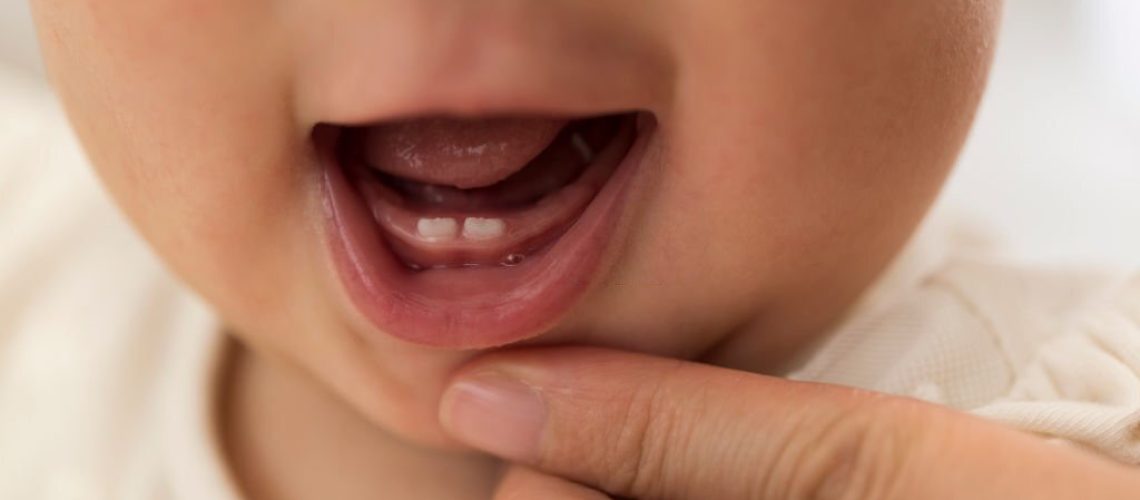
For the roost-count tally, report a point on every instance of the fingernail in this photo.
(495, 413)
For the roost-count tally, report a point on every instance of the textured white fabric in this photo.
(1055, 352)
(108, 366)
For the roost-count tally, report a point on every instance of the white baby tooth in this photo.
(478, 228)
(584, 149)
(437, 228)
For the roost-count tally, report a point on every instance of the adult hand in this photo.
(586, 423)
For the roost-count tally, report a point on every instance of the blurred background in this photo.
(1053, 164)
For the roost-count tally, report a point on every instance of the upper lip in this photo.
(483, 74)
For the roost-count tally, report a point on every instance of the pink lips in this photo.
(467, 307)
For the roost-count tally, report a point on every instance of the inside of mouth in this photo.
(460, 192)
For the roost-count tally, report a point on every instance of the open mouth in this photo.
(471, 233)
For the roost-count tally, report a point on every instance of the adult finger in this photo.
(523, 483)
(634, 425)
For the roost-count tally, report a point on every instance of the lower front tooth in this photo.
(437, 228)
(479, 228)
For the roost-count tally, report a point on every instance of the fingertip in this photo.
(495, 413)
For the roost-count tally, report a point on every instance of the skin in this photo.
(799, 145)
(611, 422)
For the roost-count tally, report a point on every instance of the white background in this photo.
(1054, 161)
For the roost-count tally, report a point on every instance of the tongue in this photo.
(463, 153)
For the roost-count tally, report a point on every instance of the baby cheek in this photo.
(182, 108)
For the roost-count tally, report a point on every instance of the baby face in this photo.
(372, 192)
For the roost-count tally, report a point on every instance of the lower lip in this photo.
(477, 307)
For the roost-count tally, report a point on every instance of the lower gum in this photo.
(510, 260)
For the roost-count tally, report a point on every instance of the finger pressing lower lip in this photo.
(640, 426)
(585, 414)
(497, 413)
